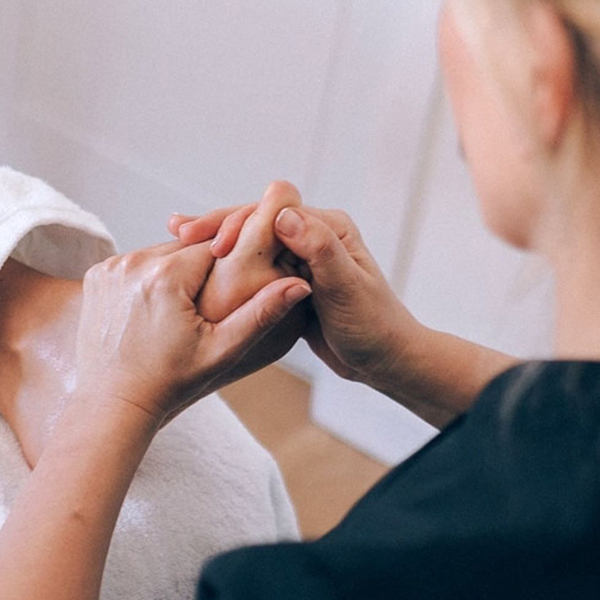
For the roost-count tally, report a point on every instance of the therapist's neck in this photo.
(576, 263)
(39, 317)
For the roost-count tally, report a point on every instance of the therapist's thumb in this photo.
(313, 241)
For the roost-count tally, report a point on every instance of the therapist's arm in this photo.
(440, 375)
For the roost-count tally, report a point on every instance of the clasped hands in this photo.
(165, 326)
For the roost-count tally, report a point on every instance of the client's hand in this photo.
(142, 341)
(257, 260)
(360, 329)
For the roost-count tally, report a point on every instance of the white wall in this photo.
(136, 108)
(139, 108)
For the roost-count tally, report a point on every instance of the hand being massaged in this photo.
(235, 305)
(257, 260)
(352, 305)
(167, 324)
(355, 322)
(231, 327)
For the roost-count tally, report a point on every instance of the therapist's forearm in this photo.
(442, 375)
(55, 541)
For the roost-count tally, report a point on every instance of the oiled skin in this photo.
(253, 263)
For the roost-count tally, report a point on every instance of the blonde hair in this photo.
(581, 18)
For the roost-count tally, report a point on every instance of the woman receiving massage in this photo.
(505, 502)
(204, 487)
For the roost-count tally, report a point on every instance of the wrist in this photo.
(93, 408)
(72, 500)
(129, 396)
(398, 355)
(413, 376)
(437, 375)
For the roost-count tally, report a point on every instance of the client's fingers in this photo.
(242, 329)
(203, 228)
(230, 230)
(176, 220)
(192, 230)
(257, 235)
(253, 225)
(278, 195)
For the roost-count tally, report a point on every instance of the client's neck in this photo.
(39, 316)
(31, 301)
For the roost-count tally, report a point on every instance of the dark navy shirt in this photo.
(504, 504)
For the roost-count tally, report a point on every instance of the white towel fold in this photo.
(205, 485)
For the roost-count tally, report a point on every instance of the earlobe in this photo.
(554, 73)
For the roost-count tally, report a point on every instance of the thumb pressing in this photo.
(313, 241)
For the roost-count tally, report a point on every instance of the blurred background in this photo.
(137, 108)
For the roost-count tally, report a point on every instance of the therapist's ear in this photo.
(553, 76)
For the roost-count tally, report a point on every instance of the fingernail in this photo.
(296, 293)
(216, 240)
(289, 222)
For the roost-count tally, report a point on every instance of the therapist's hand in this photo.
(141, 340)
(360, 329)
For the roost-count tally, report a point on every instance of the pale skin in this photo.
(531, 111)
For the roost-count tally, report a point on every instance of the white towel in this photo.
(205, 485)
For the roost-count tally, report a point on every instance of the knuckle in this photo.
(322, 250)
(214, 214)
(100, 270)
(344, 219)
(131, 262)
(340, 215)
(159, 277)
(109, 265)
(162, 269)
(229, 222)
(94, 270)
(347, 229)
(91, 276)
